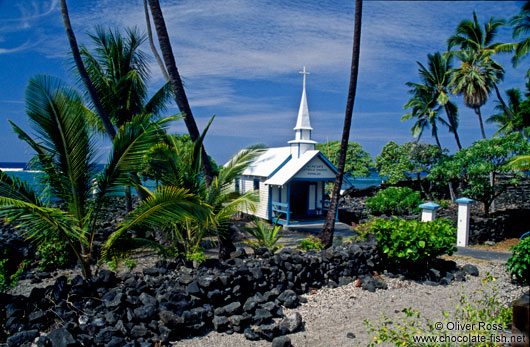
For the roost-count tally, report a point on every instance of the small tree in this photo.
(358, 162)
(480, 165)
(397, 163)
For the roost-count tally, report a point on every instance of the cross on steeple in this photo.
(304, 72)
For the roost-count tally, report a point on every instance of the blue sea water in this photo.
(24, 172)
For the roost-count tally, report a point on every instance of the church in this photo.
(290, 180)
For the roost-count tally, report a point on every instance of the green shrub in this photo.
(54, 254)
(266, 236)
(413, 242)
(311, 242)
(519, 263)
(9, 280)
(394, 201)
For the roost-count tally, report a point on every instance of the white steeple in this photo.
(302, 141)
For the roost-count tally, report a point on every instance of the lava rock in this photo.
(220, 323)
(22, 337)
(289, 299)
(61, 338)
(470, 269)
(291, 323)
(281, 341)
(262, 316)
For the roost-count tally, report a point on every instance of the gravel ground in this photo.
(330, 314)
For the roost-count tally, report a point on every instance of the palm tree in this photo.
(326, 234)
(425, 109)
(177, 165)
(65, 152)
(477, 47)
(506, 124)
(176, 84)
(474, 79)
(82, 72)
(521, 26)
(118, 71)
(436, 77)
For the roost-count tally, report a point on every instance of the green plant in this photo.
(267, 236)
(53, 254)
(65, 152)
(361, 231)
(358, 162)
(131, 263)
(394, 201)
(10, 280)
(404, 243)
(198, 256)
(519, 263)
(483, 314)
(311, 242)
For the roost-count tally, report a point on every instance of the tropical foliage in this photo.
(358, 162)
(266, 236)
(413, 243)
(519, 263)
(396, 163)
(479, 166)
(65, 152)
(394, 201)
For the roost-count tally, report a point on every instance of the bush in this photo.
(404, 243)
(519, 263)
(54, 254)
(266, 236)
(311, 243)
(394, 201)
(9, 280)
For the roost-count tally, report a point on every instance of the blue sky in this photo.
(240, 60)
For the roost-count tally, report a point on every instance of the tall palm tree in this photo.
(425, 109)
(436, 77)
(521, 26)
(65, 152)
(176, 84)
(506, 124)
(82, 72)
(473, 39)
(119, 72)
(326, 234)
(475, 78)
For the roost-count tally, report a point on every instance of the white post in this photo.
(462, 232)
(428, 211)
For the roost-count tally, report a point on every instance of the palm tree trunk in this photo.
(453, 127)
(477, 111)
(501, 100)
(176, 85)
(152, 44)
(326, 234)
(435, 133)
(83, 74)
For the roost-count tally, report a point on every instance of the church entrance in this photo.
(298, 199)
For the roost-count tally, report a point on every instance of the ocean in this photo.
(24, 172)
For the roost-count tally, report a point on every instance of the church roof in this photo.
(303, 122)
(291, 168)
(268, 162)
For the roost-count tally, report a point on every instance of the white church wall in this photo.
(316, 169)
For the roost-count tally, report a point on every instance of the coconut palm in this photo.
(521, 26)
(176, 84)
(436, 77)
(118, 70)
(82, 72)
(474, 79)
(65, 152)
(477, 47)
(505, 123)
(151, 42)
(326, 234)
(425, 110)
